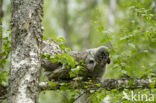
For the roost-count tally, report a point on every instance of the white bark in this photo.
(26, 49)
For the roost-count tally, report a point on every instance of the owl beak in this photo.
(108, 60)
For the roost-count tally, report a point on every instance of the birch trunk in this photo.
(26, 48)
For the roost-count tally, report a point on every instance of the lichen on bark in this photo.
(26, 48)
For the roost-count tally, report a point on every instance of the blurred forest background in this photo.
(126, 27)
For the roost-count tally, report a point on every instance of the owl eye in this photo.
(91, 61)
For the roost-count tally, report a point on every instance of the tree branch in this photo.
(108, 84)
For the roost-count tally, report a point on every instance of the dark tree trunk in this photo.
(90, 4)
(26, 48)
(111, 17)
(64, 16)
(1, 16)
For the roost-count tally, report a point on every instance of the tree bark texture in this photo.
(26, 48)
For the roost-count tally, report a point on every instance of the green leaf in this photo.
(52, 83)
